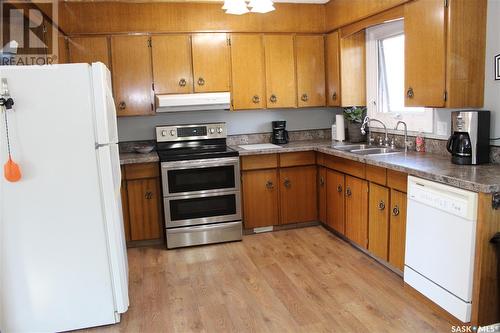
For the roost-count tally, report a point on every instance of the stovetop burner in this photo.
(192, 142)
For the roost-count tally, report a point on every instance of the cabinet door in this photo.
(298, 194)
(356, 210)
(378, 221)
(125, 209)
(353, 70)
(335, 200)
(89, 49)
(144, 208)
(322, 190)
(280, 71)
(333, 69)
(172, 68)
(397, 237)
(132, 77)
(260, 198)
(310, 52)
(425, 52)
(210, 62)
(248, 75)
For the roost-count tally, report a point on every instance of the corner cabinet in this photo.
(298, 195)
(445, 53)
(132, 75)
(141, 203)
(333, 69)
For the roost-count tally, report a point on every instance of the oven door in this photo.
(202, 209)
(200, 176)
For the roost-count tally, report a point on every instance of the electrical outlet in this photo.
(442, 128)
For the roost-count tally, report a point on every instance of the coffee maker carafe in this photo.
(469, 142)
(280, 134)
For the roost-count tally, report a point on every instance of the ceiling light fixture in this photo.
(239, 7)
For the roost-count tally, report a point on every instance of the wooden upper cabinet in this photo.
(333, 69)
(280, 71)
(132, 77)
(89, 49)
(378, 221)
(172, 68)
(356, 210)
(260, 198)
(310, 53)
(210, 62)
(353, 70)
(298, 194)
(425, 53)
(248, 73)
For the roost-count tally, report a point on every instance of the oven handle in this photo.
(206, 163)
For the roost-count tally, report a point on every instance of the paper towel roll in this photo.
(339, 121)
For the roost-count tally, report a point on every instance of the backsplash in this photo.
(243, 139)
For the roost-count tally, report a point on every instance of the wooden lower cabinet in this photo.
(378, 221)
(298, 194)
(322, 194)
(335, 200)
(397, 229)
(356, 210)
(260, 198)
(141, 203)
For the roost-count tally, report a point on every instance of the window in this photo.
(385, 79)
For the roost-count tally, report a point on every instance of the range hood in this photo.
(193, 102)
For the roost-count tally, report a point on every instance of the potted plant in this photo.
(354, 118)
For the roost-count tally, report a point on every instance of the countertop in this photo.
(481, 178)
(132, 158)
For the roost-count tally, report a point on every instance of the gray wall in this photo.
(238, 122)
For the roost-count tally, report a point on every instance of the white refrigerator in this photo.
(63, 260)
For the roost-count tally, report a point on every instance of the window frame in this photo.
(417, 121)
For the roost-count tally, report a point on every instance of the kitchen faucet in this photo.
(406, 133)
(366, 121)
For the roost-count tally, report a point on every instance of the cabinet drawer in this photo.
(142, 170)
(297, 159)
(353, 168)
(255, 162)
(376, 174)
(397, 180)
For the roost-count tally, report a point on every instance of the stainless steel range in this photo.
(201, 185)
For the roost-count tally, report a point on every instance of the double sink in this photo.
(364, 149)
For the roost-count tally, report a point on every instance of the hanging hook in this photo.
(5, 99)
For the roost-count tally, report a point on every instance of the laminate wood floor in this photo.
(301, 280)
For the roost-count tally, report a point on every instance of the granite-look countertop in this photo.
(481, 178)
(132, 158)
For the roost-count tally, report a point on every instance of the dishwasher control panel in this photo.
(446, 198)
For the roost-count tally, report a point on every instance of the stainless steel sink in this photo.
(376, 151)
(351, 147)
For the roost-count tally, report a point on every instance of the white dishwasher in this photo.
(440, 238)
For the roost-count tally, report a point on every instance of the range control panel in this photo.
(191, 132)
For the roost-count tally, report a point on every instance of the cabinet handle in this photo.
(122, 105)
(348, 191)
(381, 205)
(182, 82)
(201, 81)
(148, 195)
(287, 183)
(321, 181)
(269, 185)
(334, 96)
(304, 97)
(395, 210)
(256, 99)
(410, 92)
(339, 188)
(273, 99)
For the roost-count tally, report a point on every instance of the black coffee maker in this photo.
(469, 142)
(280, 134)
